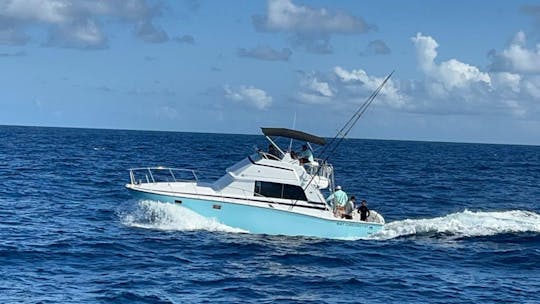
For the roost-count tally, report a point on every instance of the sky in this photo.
(464, 71)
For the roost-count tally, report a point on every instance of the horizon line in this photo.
(252, 134)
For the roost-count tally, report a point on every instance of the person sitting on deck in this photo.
(364, 211)
(337, 199)
(349, 207)
(305, 156)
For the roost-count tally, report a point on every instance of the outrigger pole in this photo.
(344, 131)
(347, 128)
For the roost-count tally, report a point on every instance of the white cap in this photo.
(338, 187)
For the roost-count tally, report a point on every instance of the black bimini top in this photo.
(294, 134)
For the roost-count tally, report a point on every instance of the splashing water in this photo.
(166, 216)
(465, 224)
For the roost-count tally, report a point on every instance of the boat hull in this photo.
(262, 220)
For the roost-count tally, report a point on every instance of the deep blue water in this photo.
(464, 225)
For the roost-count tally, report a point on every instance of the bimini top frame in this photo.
(294, 134)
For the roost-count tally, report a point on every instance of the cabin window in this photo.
(294, 192)
(271, 189)
(277, 190)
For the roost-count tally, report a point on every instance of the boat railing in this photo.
(267, 155)
(321, 172)
(161, 174)
(321, 168)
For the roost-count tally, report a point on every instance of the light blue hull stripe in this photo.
(262, 220)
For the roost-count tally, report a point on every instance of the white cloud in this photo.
(315, 91)
(311, 28)
(47, 11)
(284, 15)
(454, 86)
(426, 51)
(84, 34)
(319, 87)
(449, 87)
(311, 98)
(517, 57)
(506, 80)
(452, 73)
(456, 74)
(359, 77)
(340, 86)
(532, 87)
(76, 23)
(249, 95)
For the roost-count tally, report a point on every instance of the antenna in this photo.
(293, 127)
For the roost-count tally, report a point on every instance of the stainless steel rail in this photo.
(151, 175)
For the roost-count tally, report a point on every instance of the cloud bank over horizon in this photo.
(166, 65)
(450, 86)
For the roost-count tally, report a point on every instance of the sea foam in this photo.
(165, 216)
(465, 224)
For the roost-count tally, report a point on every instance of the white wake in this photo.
(166, 216)
(464, 224)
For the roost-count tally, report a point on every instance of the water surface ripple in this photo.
(463, 225)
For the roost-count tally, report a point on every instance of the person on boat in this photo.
(273, 151)
(305, 155)
(337, 199)
(349, 207)
(364, 211)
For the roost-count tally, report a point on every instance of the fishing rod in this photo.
(354, 118)
(361, 111)
(348, 127)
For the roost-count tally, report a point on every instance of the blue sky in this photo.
(466, 71)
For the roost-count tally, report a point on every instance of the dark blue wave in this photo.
(70, 233)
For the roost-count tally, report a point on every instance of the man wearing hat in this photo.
(337, 200)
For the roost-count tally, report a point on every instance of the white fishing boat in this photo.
(265, 193)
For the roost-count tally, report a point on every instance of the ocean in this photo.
(463, 225)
